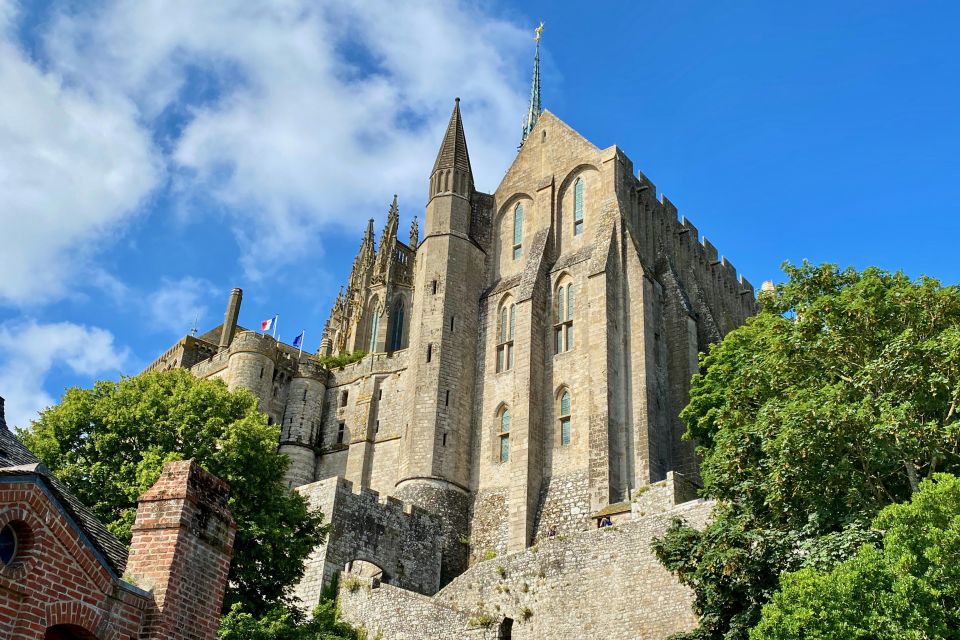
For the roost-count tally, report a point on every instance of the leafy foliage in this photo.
(282, 623)
(830, 404)
(336, 362)
(908, 590)
(109, 443)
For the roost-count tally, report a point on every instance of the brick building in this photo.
(64, 576)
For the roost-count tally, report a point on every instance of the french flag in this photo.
(267, 325)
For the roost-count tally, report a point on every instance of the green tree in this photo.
(284, 623)
(109, 443)
(909, 589)
(833, 402)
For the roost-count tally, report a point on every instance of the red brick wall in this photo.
(56, 579)
(181, 550)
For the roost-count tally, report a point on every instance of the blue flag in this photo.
(298, 341)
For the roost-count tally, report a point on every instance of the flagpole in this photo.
(303, 336)
(276, 321)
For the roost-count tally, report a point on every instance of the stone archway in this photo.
(68, 632)
(366, 569)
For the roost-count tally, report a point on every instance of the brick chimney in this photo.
(181, 550)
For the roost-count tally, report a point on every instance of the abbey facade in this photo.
(526, 362)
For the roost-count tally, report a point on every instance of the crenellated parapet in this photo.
(398, 539)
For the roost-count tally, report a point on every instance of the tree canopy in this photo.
(109, 443)
(833, 402)
(907, 589)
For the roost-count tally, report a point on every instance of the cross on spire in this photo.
(534, 111)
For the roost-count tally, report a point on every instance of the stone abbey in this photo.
(526, 362)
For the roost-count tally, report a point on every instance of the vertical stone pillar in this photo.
(181, 550)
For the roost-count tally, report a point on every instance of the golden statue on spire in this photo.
(539, 30)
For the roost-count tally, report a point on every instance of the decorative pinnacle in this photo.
(539, 30)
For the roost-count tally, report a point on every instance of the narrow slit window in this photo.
(452, 318)
(429, 352)
(563, 326)
(565, 433)
(517, 231)
(578, 207)
(341, 432)
(446, 400)
(434, 287)
(444, 443)
(507, 328)
(504, 435)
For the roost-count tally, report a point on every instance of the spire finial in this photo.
(534, 111)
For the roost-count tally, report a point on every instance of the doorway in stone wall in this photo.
(68, 632)
(505, 631)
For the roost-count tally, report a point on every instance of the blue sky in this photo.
(155, 154)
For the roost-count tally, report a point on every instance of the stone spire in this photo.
(453, 152)
(534, 111)
(414, 233)
(388, 239)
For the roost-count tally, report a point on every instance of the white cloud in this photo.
(177, 304)
(319, 111)
(71, 168)
(30, 350)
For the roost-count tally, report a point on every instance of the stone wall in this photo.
(597, 583)
(564, 505)
(386, 612)
(403, 541)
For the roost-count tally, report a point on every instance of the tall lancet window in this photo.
(517, 231)
(503, 435)
(374, 328)
(564, 417)
(563, 325)
(506, 327)
(578, 207)
(396, 333)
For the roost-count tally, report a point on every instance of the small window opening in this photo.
(517, 231)
(504, 435)
(563, 325)
(376, 427)
(505, 332)
(380, 394)
(446, 401)
(341, 432)
(8, 545)
(434, 287)
(261, 372)
(343, 398)
(429, 352)
(444, 443)
(304, 395)
(578, 207)
(452, 318)
(565, 430)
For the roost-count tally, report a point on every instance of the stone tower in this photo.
(448, 279)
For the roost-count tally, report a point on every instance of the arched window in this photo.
(374, 329)
(396, 332)
(517, 231)
(503, 434)
(563, 325)
(563, 415)
(578, 207)
(8, 545)
(506, 327)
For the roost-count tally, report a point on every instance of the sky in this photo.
(155, 154)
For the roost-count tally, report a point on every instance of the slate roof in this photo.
(453, 152)
(17, 460)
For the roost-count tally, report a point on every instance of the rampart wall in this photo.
(400, 539)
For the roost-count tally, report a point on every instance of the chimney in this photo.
(181, 550)
(230, 319)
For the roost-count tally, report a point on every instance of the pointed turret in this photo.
(534, 110)
(451, 171)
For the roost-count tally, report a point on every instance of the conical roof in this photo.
(453, 152)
